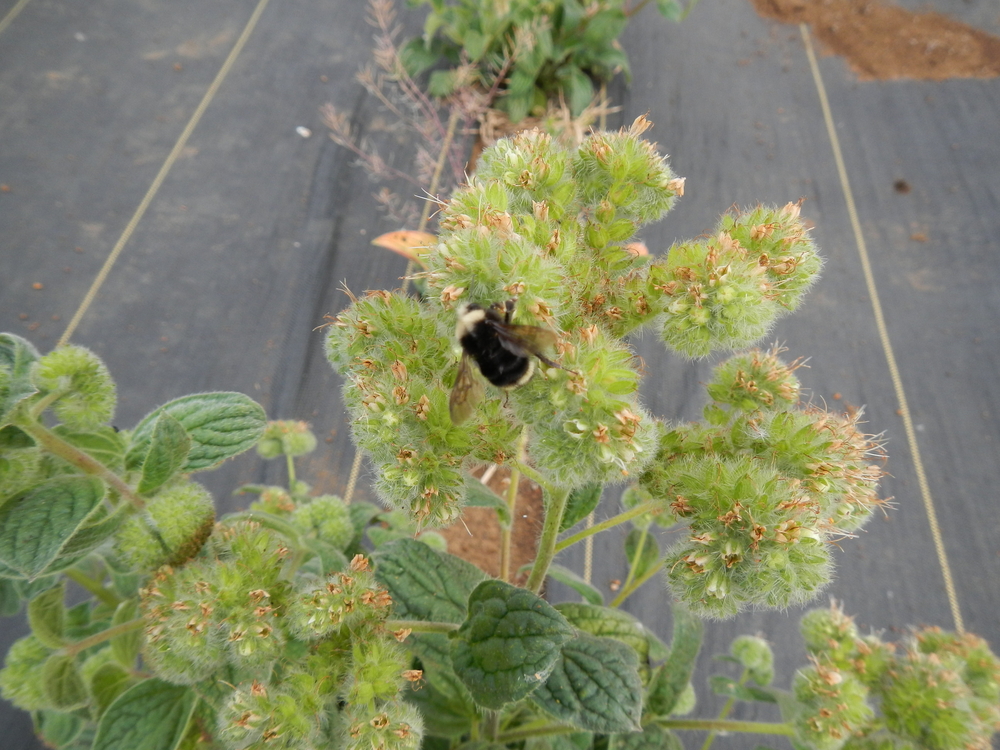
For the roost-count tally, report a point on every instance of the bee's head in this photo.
(469, 315)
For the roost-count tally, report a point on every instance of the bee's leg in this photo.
(550, 363)
(508, 309)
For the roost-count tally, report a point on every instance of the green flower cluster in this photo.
(81, 383)
(942, 692)
(169, 530)
(764, 485)
(554, 228)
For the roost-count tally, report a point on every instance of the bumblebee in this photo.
(503, 352)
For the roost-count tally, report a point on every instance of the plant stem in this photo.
(533, 475)
(628, 515)
(421, 626)
(627, 591)
(721, 725)
(94, 587)
(442, 156)
(73, 649)
(725, 711)
(643, 535)
(506, 533)
(81, 460)
(547, 544)
(291, 472)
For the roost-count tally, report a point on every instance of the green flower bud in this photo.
(836, 706)
(393, 726)
(327, 518)
(288, 438)
(376, 671)
(756, 656)
(926, 700)
(87, 392)
(261, 716)
(755, 380)
(170, 530)
(21, 677)
(352, 599)
(829, 633)
(184, 633)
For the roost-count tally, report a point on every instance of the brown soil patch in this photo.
(882, 41)
(476, 537)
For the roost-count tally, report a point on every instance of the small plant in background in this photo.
(308, 623)
(541, 50)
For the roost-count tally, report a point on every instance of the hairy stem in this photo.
(744, 727)
(291, 472)
(505, 533)
(628, 515)
(81, 460)
(105, 635)
(725, 711)
(94, 587)
(421, 626)
(555, 507)
(630, 589)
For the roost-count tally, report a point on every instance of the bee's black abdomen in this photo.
(496, 358)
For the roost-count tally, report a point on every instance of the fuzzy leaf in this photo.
(594, 685)
(478, 495)
(610, 623)
(36, 524)
(62, 682)
(10, 598)
(220, 425)
(651, 737)
(509, 644)
(425, 584)
(670, 679)
(169, 445)
(125, 646)
(57, 729)
(107, 683)
(567, 577)
(47, 617)
(152, 715)
(580, 504)
(672, 10)
(101, 443)
(17, 355)
(578, 88)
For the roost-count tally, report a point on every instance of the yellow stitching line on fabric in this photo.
(12, 14)
(883, 333)
(162, 174)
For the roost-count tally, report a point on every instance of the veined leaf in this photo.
(152, 715)
(47, 617)
(509, 644)
(169, 446)
(595, 685)
(220, 425)
(101, 443)
(580, 504)
(62, 682)
(425, 584)
(37, 524)
(651, 737)
(670, 679)
(16, 357)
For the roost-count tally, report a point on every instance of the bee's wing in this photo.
(524, 340)
(466, 393)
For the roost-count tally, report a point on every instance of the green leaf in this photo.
(672, 10)
(580, 504)
(425, 584)
(651, 737)
(610, 623)
(442, 83)
(17, 355)
(475, 44)
(478, 495)
(47, 617)
(37, 524)
(220, 425)
(417, 56)
(169, 445)
(670, 679)
(567, 577)
(62, 682)
(727, 686)
(594, 685)
(107, 683)
(10, 598)
(101, 443)
(125, 646)
(578, 88)
(509, 644)
(152, 715)
(645, 559)
(55, 728)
